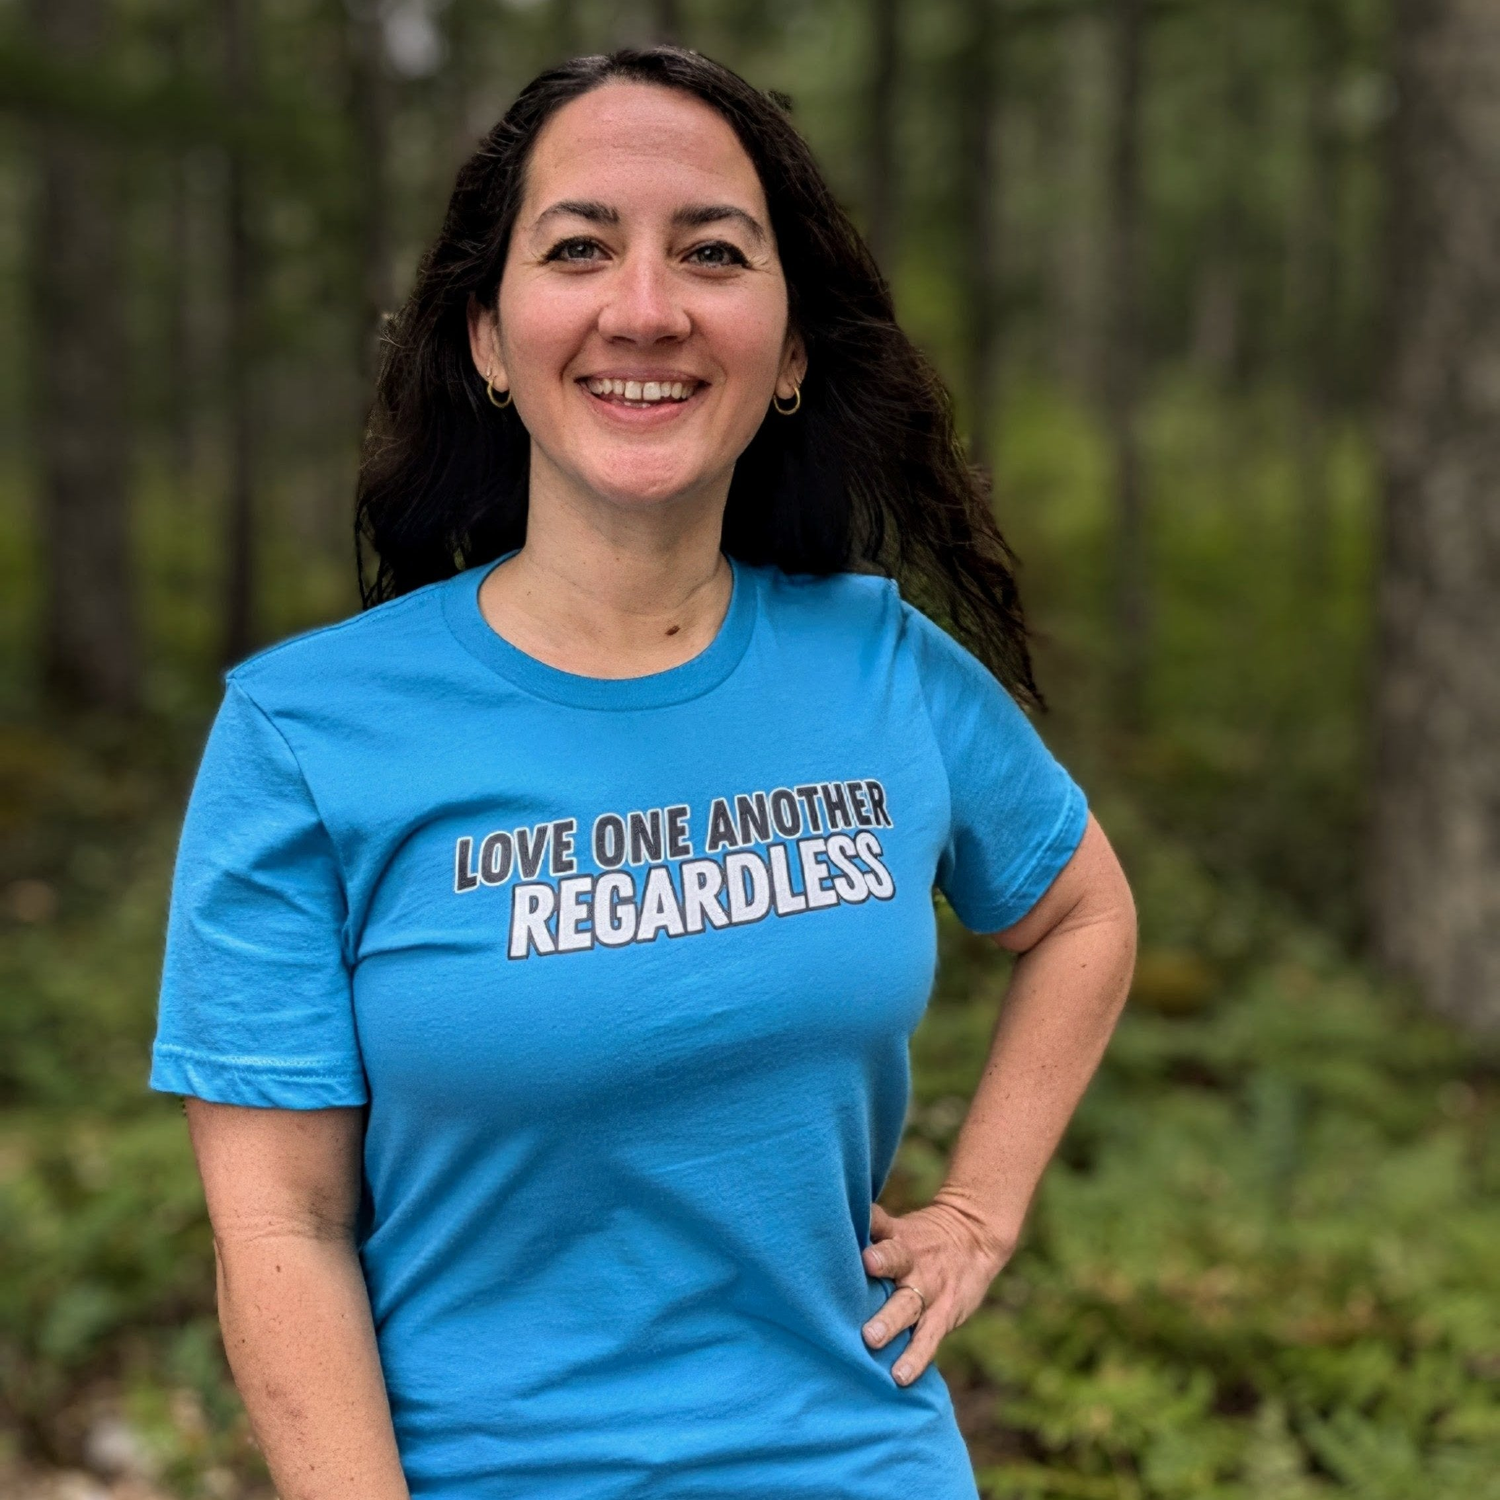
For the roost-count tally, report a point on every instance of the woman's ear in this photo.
(484, 344)
(793, 365)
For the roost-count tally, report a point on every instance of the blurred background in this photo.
(1216, 287)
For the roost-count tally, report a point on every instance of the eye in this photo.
(734, 256)
(563, 249)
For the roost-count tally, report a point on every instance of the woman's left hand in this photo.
(946, 1252)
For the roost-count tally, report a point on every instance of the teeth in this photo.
(642, 391)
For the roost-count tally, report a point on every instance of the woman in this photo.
(546, 940)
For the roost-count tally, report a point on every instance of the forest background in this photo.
(1216, 287)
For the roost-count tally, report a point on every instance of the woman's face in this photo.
(642, 323)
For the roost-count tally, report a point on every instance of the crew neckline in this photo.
(689, 679)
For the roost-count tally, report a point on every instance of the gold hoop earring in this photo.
(786, 411)
(489, 391)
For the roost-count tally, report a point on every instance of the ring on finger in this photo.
(918, 1290)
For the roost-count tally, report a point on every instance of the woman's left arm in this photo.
(1077, 954)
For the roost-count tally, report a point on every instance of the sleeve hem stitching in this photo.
(1075, 802)
(293, 1069)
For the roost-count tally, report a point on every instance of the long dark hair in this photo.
(869, 474)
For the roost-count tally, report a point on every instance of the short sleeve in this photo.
(1016, 814)
(256, 1000)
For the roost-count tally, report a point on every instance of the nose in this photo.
(644, 304)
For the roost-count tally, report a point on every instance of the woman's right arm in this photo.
(283, 1191)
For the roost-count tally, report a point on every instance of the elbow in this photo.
(1128, 918)
(236, 1233)
(276, 1254)
(1127, 927)
(274, 1271)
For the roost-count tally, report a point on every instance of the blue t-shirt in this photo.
(625, 970)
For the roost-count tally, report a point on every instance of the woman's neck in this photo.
(612, 591)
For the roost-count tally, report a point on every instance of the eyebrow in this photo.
(702, 213)
(713, 213)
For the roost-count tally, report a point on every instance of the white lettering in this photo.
(788, 901)
(752, 904)
(659, 909)
(814, 873)
(850, 881)
(572, 909)
(877, 877)
(530, 907)
(614, 910)
(702, 880)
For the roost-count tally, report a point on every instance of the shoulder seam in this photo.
(907, 609)
(250, 665)
(312, 796)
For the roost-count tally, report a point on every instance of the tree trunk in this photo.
(881, 183)
(90, 653)
(1126, 365)
(1436, 848)
(241, 386)
(1315, 288)
(370, 106)
(180, 363)
(1219, 312)
(1078, 299)
(977, 93)
(1224, 322)
(177, 348)
(466, 67)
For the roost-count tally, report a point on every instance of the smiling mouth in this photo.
(641, 393)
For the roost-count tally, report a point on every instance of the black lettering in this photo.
(530, 848)
(858, 803)
(809, 796)
(465, 877)
(679, 845)
(784, 813)
(609, 841)
(494, 859)
(837, 805)
(645, 837)
(721, 833)
(562, 861)
(877, 803)
(754, 819)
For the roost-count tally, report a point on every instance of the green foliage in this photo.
(103, 1225)
(1262, 1264)
(1253, 752)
